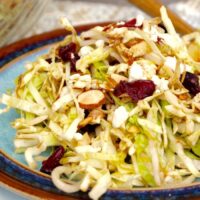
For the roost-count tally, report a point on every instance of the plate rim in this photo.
(24, 43)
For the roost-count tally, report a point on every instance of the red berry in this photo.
(137, 90)
(191, 82)
(130, 23)
(68, 54)
(53, 161)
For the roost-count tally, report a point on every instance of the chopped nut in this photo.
(133, 42)
(91, 99)
(133, 129)
(140, 49)
(118, 78)
(183, 96)
(96, 115)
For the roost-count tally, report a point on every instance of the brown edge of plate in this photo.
(27, 191)
(7, 181)
(4, 51)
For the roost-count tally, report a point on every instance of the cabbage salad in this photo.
(119, 104)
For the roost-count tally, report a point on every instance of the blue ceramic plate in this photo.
(14, 172)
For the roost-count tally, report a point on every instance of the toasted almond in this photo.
(97, 115)
(118, 77)
(91, 99)
(133, 129)
(109, 85)
(133, 42)
(140, 49)
(183, 96)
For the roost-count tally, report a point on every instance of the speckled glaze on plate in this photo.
(15, 174)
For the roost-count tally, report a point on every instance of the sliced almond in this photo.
(118, 77)
(133, 42)
(140, 49)
(108, 85)
(184, 96)
(91, 99)
(97, 115)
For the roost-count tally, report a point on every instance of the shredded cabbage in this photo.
(113, 142)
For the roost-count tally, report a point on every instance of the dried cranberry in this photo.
(191, 82)
(53, 161)
(64, 51)
(137, 90)
(130, 23)
(120, 88)
(140, 89)
(68, 54)
(74, 58)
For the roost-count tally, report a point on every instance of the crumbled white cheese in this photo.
(122, 67)
(160, 83)
(185, 67)
(131, 150)
(84, 51)
(170, 62)
(149, 68)
(142, 70)
(171, 40)
(99, 43)
(81, 85)
(182, 53)
(74, 76)
(139, 20)
(78, 136)
(164, 84)
(136, 72)
(154, 33)
(79, 81)
(86, 77)
(118, 31)
(112, 69)
(119, 117)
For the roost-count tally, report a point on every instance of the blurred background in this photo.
(23, 18)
